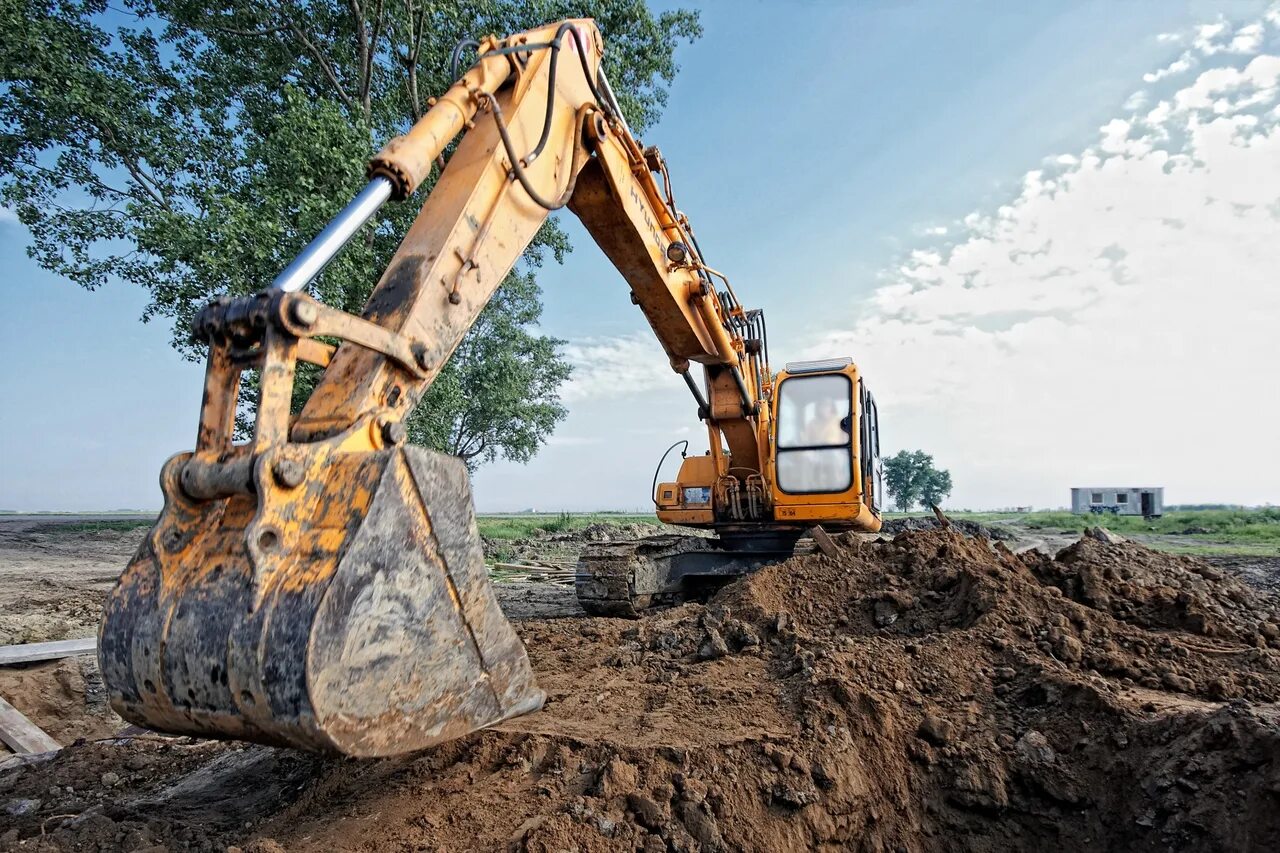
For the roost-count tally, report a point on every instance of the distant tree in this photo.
(192, 149)
(900, 480)
(910, 478)
(936, 486)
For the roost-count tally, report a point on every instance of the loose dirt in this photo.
(994, 532)
(52, 581)
(1260, 572)
(933, 692)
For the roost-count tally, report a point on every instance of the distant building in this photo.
(1138, 500)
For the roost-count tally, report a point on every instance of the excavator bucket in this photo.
(357, 618)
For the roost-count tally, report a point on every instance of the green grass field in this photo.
(1248, 532)
(522, 526)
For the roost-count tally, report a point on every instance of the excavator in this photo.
(321, 585)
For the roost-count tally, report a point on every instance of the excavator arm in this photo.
(542, 131)
(322, 584)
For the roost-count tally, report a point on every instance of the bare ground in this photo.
(933, 692)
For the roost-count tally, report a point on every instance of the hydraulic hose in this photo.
(653, 489)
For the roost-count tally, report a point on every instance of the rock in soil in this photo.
(1112, 698)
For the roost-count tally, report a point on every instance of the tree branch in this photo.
(232, 31)
(319, 57)
(410, 59)
(362, 42)
(55, 175)
(472, 454)
(370, 53)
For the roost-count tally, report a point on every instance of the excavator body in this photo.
(321, 584)
(822, 452)
(822, 449)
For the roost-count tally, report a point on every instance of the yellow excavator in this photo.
(322, 585)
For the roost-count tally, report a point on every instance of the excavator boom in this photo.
(322, 585)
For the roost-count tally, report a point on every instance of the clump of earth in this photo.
(930, 692)
(994, 532)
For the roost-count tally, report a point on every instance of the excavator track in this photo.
(625, 578)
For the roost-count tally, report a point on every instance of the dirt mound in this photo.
(64, 697)
(1156, 590)
(49, 610)
(927, 693)
(994, 532)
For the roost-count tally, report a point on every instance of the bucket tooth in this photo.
(368, 627)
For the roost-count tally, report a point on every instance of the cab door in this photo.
(819, 449)
(815, 437)
(869, 428)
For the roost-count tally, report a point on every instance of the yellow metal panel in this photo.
(698, 471)
(687, 517)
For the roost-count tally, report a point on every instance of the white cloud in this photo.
(1136, 101)
(1247, 39)
(1229, 89)
(1116, 321)
(8, 216)
(614, 367)
(1212, 38)
(1178, 66)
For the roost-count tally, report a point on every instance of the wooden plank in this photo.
(823, 540)
(29, 652)
(22, 735)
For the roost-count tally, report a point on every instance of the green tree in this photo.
(496, 396)
(910, 478)
(936, 486)
(193, 150)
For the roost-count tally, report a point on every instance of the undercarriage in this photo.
(628, 577)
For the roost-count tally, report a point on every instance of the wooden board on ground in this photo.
(20, 734)
(824, 542)
(30, 652)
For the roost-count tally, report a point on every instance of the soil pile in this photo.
(606, 531)
(994, 532)
(64, 697)
(933, 692)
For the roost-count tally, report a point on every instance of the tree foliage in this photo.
(910, 478)
(496, 396)
(193, 150)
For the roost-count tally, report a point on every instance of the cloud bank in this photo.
(1118, 321)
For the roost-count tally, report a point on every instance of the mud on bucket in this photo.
(362, 623)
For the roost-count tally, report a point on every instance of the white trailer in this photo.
(1147, 501)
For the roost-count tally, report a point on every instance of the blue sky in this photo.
(842, 163)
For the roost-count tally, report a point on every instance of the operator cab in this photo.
(827, 446)
(824, 460)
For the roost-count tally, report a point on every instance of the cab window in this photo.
(815, 442)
